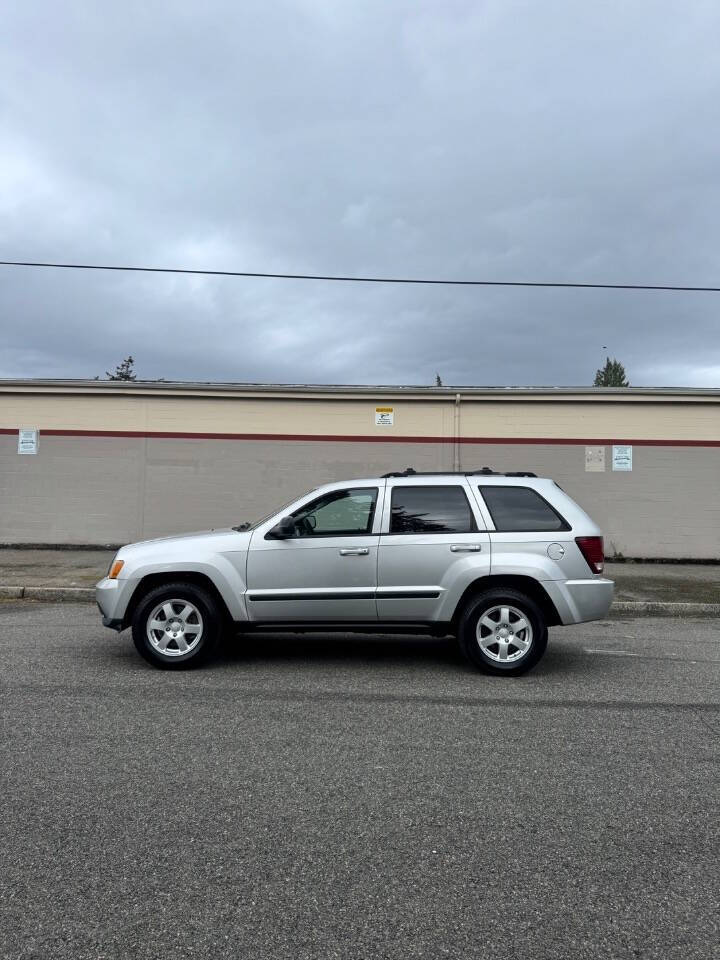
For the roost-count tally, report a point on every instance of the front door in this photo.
(326, 570)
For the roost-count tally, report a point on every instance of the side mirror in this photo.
(283, 530)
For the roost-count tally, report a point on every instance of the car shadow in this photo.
(340, 648)
(359, 650)
(347, 651)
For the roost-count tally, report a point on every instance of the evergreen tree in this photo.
(123, 371)
(611, 375)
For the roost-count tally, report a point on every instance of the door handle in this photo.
(466, 548)
(354, 552)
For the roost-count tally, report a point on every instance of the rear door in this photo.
(432, 539)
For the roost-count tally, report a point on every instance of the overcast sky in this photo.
(498, 140)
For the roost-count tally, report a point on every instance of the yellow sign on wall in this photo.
(384, 417)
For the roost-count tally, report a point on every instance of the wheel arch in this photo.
(152, 580)
(527, 585)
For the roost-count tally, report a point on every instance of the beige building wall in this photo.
(119, 463)
(479, 415)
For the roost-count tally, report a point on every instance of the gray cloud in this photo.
(497, 140)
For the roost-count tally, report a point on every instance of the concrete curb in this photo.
(82, 594)
(11, 593)
(650, 608)
(662, 608)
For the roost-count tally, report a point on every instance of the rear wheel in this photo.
(503, 632)
(177, 625)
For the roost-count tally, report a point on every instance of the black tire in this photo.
(486, 605)
(207, 614)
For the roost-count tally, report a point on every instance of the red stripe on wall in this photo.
(363, 438)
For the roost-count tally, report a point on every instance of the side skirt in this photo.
(424, 628)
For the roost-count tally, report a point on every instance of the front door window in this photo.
(340, 513)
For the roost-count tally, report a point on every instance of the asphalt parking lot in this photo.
(319, 797)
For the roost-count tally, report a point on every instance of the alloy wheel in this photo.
(504, 633)
(174, 628)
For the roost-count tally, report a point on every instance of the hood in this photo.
(224, 540)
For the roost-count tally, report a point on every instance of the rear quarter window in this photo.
(521, 510)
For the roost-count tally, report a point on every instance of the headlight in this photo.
(115, 568)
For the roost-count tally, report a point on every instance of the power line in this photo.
(340, 279)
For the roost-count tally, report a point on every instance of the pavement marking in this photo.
(613, 653)
(647, 656)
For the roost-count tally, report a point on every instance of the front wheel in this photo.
(176, 626)
(503, 632)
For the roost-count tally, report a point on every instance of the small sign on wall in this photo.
(622, 458)
(384, 417)
(28, 441)
(595, 459)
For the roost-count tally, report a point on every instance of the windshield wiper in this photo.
(242, 526)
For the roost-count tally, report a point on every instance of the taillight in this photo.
(592, 549)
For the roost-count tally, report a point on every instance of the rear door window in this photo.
(435, 509)
(521, 510)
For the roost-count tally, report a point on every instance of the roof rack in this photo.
(483, 472)
(408, 472)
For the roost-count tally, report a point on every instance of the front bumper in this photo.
(578, 601)
(112, 599)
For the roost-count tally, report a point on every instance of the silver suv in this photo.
(494, 559)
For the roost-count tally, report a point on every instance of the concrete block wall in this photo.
(118, 489)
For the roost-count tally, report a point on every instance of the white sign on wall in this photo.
(594, 459)
(622, 458)
(384, 417)
(27, 441)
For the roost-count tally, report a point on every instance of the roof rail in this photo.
(408, 472)
(483, 472)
